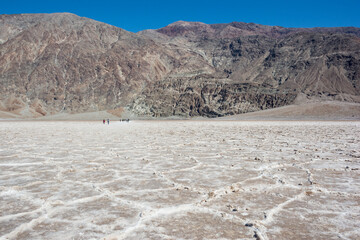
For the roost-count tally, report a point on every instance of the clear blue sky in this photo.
(138, 15)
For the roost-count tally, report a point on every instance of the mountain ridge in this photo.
(54, 63)
(243, 28)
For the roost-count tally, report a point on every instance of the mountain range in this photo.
(63, 63)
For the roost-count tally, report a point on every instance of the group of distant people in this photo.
(121, 120)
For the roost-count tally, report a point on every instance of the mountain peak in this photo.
(187, 24)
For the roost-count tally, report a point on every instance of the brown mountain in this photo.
(52, 63)
(237, 29)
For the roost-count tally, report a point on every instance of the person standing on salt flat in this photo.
(108, 121)
(103, 121)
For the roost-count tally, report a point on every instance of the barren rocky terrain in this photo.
(180, 180)
(189, 179)
(63, 63)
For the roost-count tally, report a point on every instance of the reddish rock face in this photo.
(52, 63)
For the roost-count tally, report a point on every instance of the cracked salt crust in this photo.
(179, 179)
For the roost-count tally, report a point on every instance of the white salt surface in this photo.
(180, 180)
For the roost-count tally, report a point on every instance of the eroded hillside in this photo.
(52, 63)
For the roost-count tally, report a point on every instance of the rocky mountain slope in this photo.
(56, 63)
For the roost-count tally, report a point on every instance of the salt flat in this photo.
(180, 180)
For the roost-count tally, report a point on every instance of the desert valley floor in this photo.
(180, 180)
